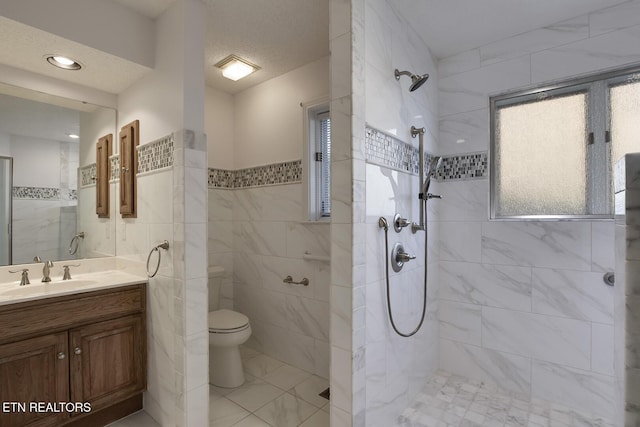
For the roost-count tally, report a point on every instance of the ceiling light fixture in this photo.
(233, 67)
(63, 62)
(73, 136)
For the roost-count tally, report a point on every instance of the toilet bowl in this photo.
(227, 331)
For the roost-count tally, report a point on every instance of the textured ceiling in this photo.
(281, 35)
(25, 47)
(277, 35)
(454, 26)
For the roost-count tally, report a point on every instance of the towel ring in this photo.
(76, 239)
(164, 245)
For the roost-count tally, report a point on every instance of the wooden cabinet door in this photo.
(108, 361)
(103, 151)
(129, 136)
(33, 370)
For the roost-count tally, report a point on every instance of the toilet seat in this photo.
(227, 322)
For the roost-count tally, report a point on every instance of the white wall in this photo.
(523, 303)
(268, 117)
(5, 144)
(95, 125)
(27, 153)
(220, 128)
(396, 367)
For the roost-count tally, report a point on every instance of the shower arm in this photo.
(420, 133)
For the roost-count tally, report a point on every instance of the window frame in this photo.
(598, 123)
(311, 173)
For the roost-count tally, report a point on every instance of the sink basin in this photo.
(45, 288)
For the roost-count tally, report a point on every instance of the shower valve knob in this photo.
(399, 257)
(404, 257)
(399, 223)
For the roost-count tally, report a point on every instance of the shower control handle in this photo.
(404, 257)
(433, 196)
(399, 257)
(399, 223)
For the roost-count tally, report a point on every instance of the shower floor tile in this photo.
(452, 401)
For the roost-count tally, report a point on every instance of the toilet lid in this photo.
(221, 320)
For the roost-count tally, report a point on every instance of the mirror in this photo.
(47, 178)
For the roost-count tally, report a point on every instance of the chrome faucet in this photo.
(24, 280)
(67, 275)
(46, 270)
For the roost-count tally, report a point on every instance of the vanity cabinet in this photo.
(87, 348)
(31, 371)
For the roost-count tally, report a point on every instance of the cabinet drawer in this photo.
(47, 315)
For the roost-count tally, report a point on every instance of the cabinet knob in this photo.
(61, 355)
(77, 350)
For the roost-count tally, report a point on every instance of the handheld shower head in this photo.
(417, 80)
(436, 163)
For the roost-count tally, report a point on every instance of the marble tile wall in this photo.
(396, 368)
(177, 296)
(626, 321)
(347, 327)
(504, 281)
(257, 236)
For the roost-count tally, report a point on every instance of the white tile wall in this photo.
(626, 336)
(396, 367)
(539, 284)
(256, 235)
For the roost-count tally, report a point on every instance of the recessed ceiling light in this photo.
(234, 68)
(63, 62)
(73, 136)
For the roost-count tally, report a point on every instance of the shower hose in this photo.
(386, 258)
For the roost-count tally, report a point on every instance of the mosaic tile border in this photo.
(464, 166)
(259, 176)
(87, 175)
(155, 155)
(386, 150)
(36, 193)
(114, 168)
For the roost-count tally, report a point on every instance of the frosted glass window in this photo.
(324, 165)
(625, 120)
(541, 150)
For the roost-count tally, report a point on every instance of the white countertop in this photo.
(11, 292)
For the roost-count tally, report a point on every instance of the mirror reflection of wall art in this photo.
(103, 151)
(129, 140)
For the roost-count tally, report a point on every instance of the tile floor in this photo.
(278, 395)
(452, 401)
(274, 395)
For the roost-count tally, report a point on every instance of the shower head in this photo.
(416, 79)
(435, 164)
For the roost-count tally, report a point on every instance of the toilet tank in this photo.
(215, 283)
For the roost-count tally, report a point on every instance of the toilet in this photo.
(228, 329)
